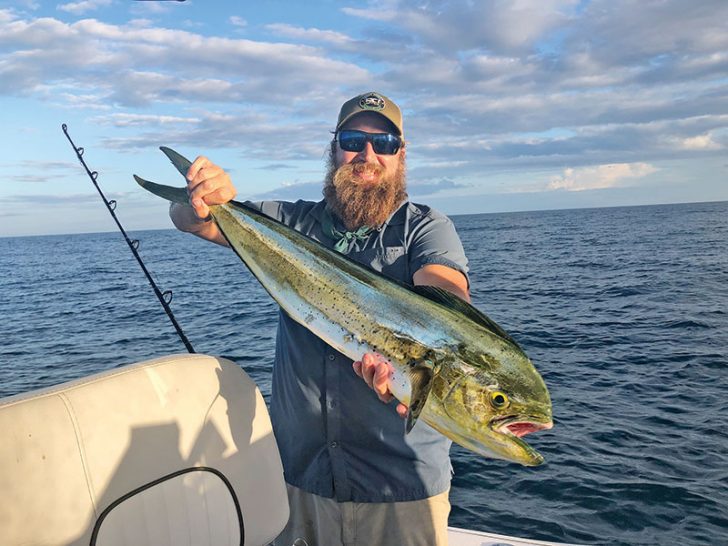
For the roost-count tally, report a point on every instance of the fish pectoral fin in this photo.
(421, 377)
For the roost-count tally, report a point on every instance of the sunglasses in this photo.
(356, 141)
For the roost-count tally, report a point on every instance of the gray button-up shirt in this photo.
(335, 437)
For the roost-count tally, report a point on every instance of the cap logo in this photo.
(372, 101)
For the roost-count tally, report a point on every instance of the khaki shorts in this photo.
(324, 522)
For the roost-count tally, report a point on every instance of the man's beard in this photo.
(359, 203)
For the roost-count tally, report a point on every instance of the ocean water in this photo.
(623, 310)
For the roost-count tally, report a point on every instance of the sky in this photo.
(508, 105)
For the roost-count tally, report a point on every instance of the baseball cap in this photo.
(371, 102)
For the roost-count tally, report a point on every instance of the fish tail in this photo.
(176, 195)
(181, 163)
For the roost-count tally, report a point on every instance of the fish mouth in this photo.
(511, 429)
(520, 426)
(501, 439)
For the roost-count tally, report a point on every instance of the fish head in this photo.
(494, 400)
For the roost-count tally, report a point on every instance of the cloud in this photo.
(628, 32)
(122, 119)
(50, 165)
(277, 167)
(700, 142)
(312, 190)
(32, 5)
(63, 200)
(372, 13)
(255, 134)
(599, 177)
(486, 87)
(77, 8)
(151, 65)
(155, 7)
(291, 192)
(499, 27)
(34, 172)
(30, 178)
(238, 21)
(423, 189)
(309, 34)
(76, 100)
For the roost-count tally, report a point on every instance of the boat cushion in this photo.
(172, 451)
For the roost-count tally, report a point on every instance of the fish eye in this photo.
(499, 400)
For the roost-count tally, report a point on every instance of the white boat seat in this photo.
(170, 452)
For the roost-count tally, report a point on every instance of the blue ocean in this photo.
(623, 310)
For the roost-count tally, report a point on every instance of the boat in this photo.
(174, 451)
(467, 537)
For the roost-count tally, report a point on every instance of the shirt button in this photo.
(334, 444)
(332, 357)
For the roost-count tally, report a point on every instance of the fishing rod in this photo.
(165, 298)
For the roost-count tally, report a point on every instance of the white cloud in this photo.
(238, 21)
(599, 177)
(496, 26)
(28, 4)
(151, 65)
(6, 16)
(309, 34)
(153, 7)
(145, 120)
(660, 32)
(83, 6)
(79, 101)
(292, 191)
(700, 142)
(485, 86)
(372, 14)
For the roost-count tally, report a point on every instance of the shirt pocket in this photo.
(392, 255)
(387, 260)
(393, 263)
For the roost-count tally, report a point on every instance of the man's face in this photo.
(364, 188)
(369, 123)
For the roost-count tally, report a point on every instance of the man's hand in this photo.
(208, 184)
(375, 370)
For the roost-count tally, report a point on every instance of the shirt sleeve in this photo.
(435, 241)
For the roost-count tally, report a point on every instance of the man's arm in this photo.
(207, 184)
(443, 277)
(185, 219)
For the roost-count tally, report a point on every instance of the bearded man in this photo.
(353, 475)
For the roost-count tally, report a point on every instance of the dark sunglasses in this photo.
(356, 141)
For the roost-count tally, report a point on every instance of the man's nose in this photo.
(368, 154)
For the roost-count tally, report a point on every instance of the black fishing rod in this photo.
(165, 297)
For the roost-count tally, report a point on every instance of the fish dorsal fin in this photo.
(451, 301)
(421, 377)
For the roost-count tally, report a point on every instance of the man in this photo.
(353, 475)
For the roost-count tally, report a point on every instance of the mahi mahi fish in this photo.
(454, 367)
